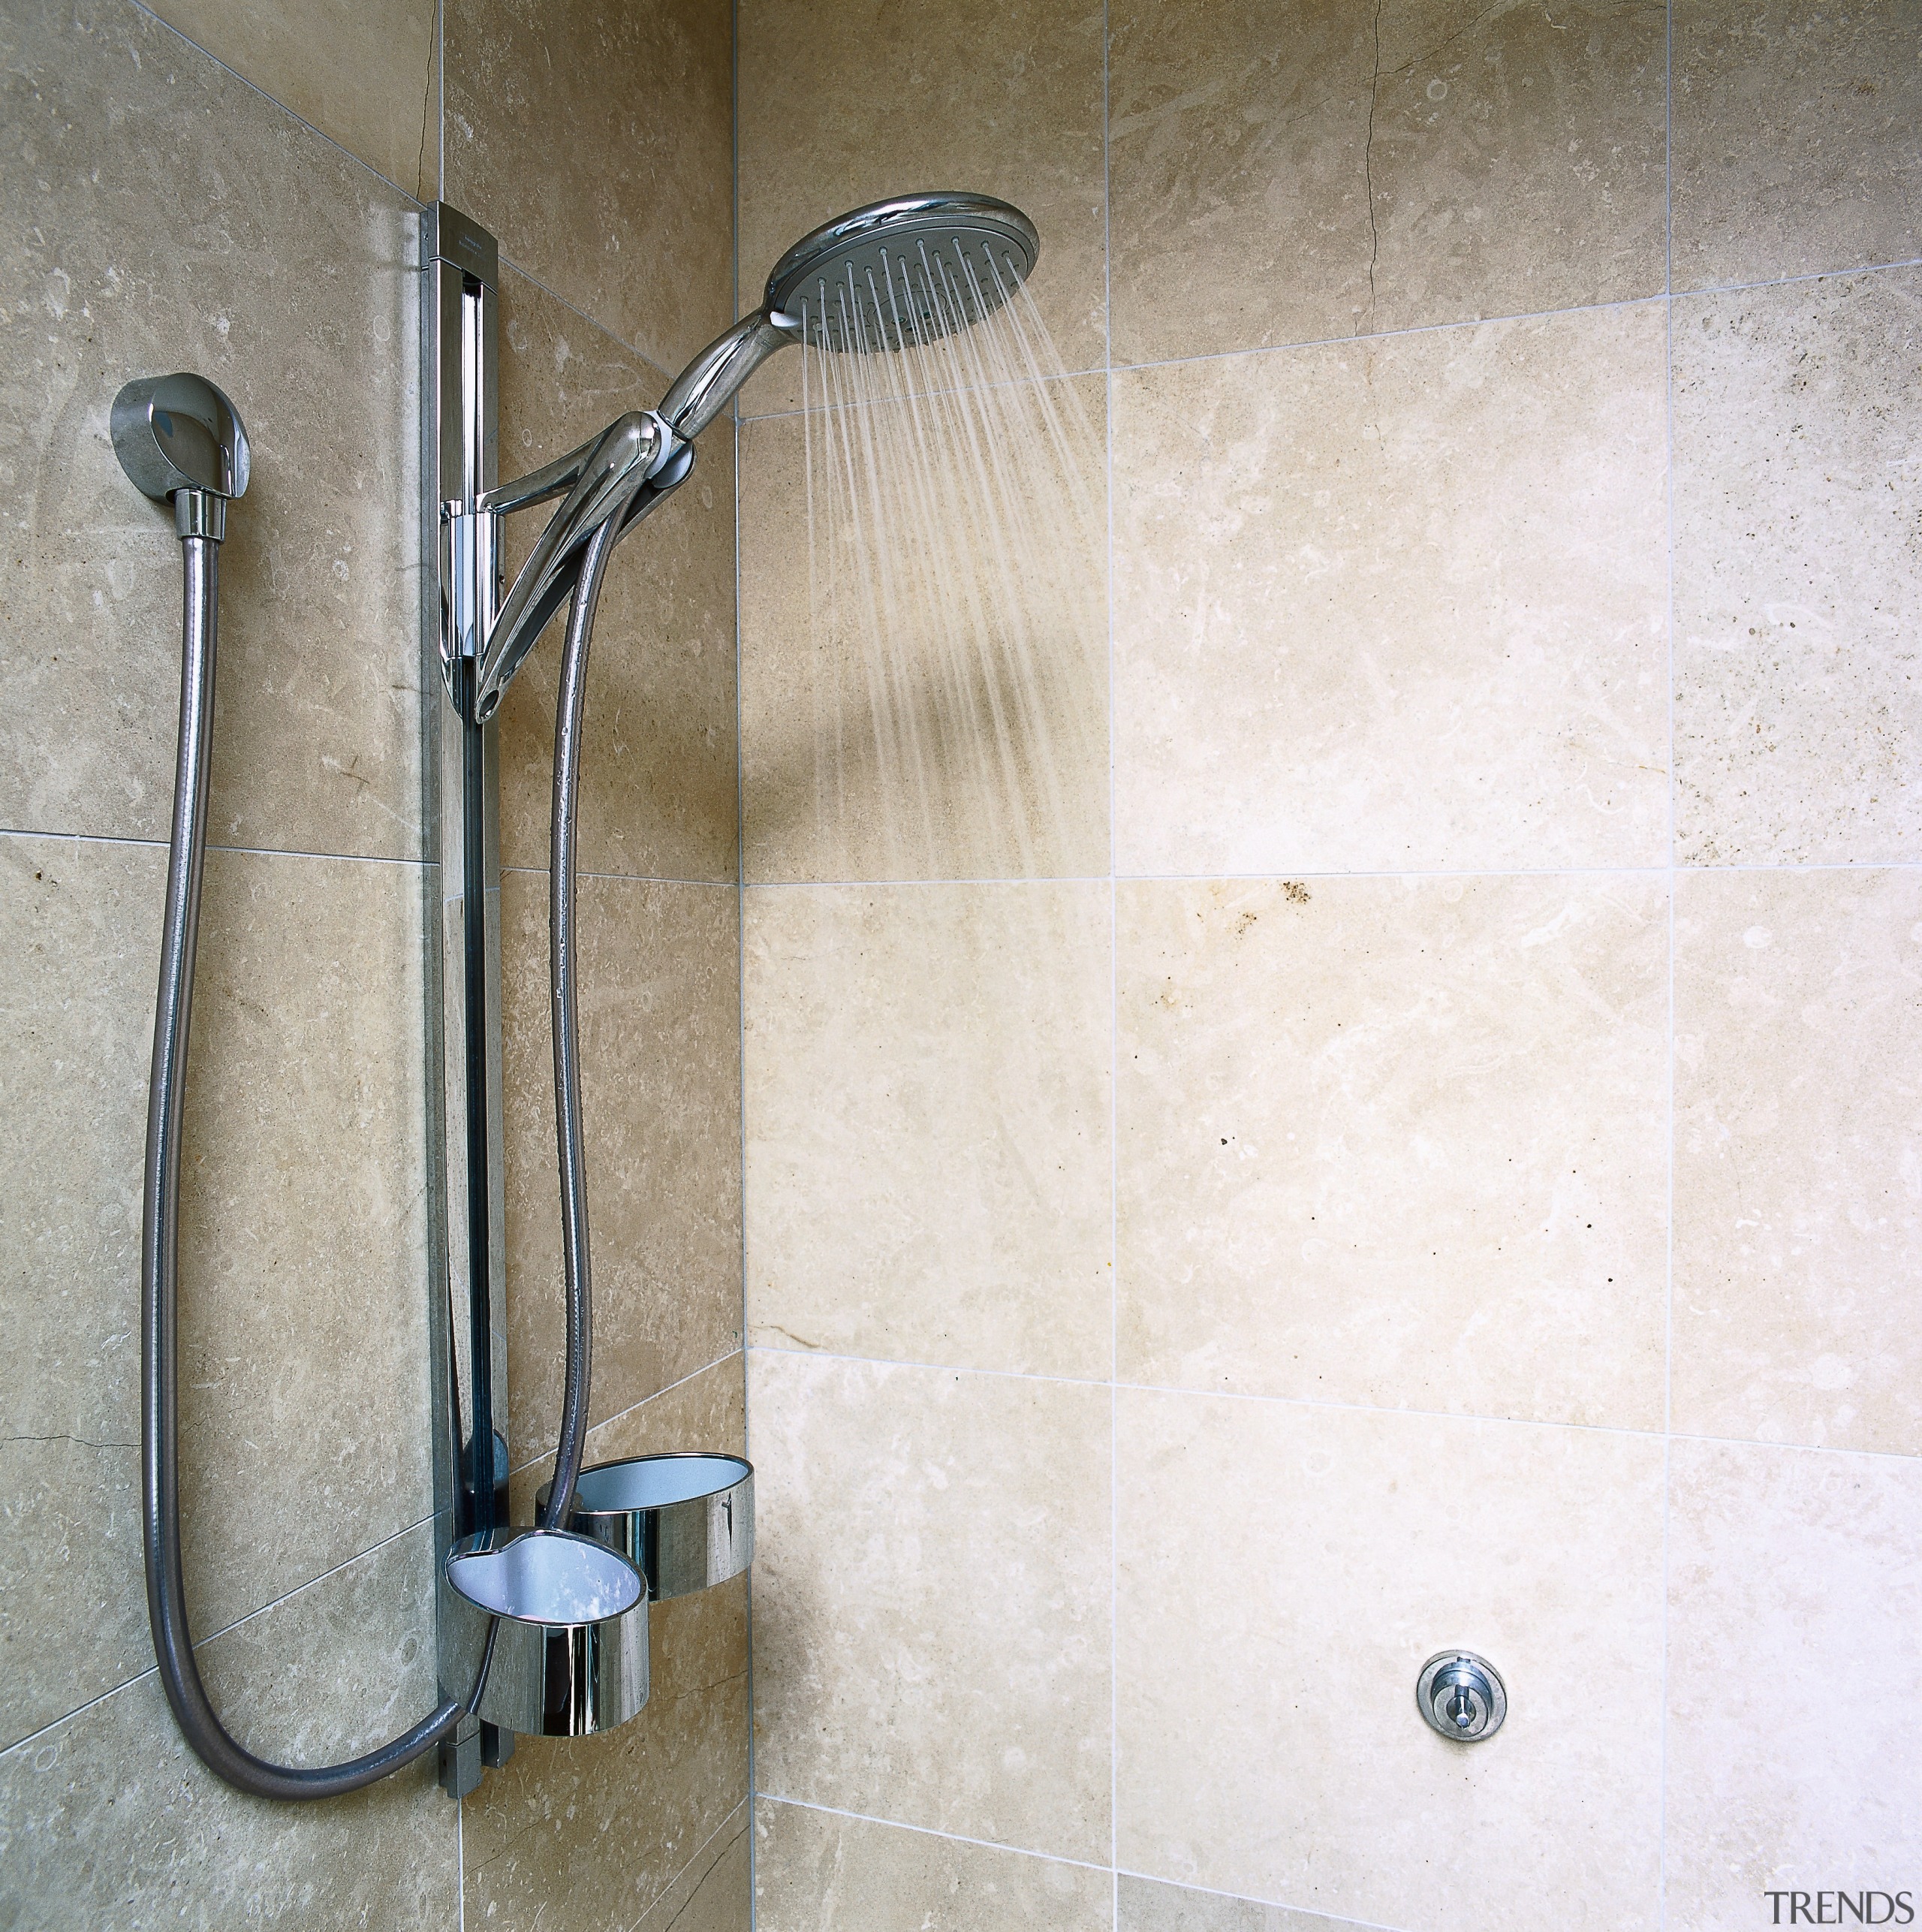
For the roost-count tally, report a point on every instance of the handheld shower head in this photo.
(892, 273)
(907, 270)
(912, 269)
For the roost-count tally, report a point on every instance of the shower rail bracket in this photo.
(460, 767)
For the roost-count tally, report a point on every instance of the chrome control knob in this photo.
(1461, 1695)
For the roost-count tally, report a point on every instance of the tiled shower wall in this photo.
(242, 201)
(1451, 1173)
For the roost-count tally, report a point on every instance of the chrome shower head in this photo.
(894, 273)
(906, 270)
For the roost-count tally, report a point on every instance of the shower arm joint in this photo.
(618, 476)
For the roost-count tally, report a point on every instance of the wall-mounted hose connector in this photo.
(178, 436)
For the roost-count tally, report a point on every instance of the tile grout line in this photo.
(741, 939)
(1663, 295)
(273, 101)
(1668, 1308)
(1659, 870)
(1114, 1016)
(1273, 1905)
(440, 191)
(214, 1636)
(411, 196)
(935, 1831)
(574, 308)
(693, 1860)
(623, 877)
(1277, 875)
(1114, 1873)
(622, 1414)
(243, 851)
(1655, 1432)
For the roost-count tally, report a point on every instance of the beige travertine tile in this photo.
(368, 77)
(1238, 166)
(658, 789)
(1795, 141)
(932, 1598)
(1399, 1143)
(927, 1123)
(151, 204)
(660, 1030)
(1798, 572)
(1145, 1906)
(708, 1411)
(589, 1833)
(1283, 172)
(79, 931)
(1396, 604)
(1283, 1571)
(817, 1872)
(596, 143)
(1794, 1602)
(109, 1821)
(715, 1893)
(305, 1421)
(636, 1828)
(304, 1432)
(1798, 1183)
(843, 104)
(954, 750)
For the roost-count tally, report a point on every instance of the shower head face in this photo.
(904, 271)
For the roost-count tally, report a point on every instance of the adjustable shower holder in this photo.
(552, 1623)
(685, 1521)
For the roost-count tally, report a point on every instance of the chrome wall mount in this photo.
(1461, 1696)
(550, 1623)
(460, 767)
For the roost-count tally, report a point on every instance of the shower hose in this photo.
(166, 1604)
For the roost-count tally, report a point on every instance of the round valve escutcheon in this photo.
(1461, 1695)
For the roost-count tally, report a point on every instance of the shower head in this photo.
(906, 270)
(892, 273)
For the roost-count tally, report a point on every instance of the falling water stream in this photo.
(956, 588)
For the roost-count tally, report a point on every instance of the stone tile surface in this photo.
(657, 787)
(1147, 1906)
(661, 1078)
(1798, 138)
(1285, 1570)
(367, 77)
(560, 139)
(1283, 172)
(304, 1290)
(927, 1123)
(706, 1411)
(1798, 1183)
(906, 742)
(1397, 1142)
(1396, 605)
(305, 1294)
(109, 1821)
(148, 197)
(842, 104)
(818, 1872)
(932, 1598)
(648, 1826)
(590, 1833)
(1795, 1597)
(1798, 573)
(715, 1893)
(79, 930)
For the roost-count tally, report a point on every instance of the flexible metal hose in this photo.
(167, 1599)
(575, 1258)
